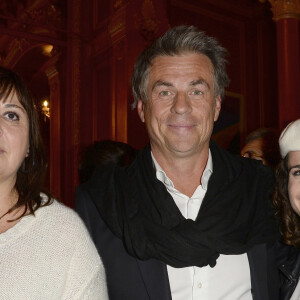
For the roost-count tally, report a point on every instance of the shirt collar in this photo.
(162, 176)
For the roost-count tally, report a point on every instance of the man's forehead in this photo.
(190, 60)
(165, 69)
(191, 83)
(182, 55)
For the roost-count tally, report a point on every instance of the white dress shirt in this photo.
(296, 294)
(229, 279)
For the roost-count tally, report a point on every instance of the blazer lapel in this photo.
(156, 279)
(259, 272)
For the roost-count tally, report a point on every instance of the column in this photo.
(286, 14)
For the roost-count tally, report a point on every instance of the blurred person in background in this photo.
(262, 144)
(104, 152)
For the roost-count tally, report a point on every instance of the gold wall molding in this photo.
(119, 3)
(16, 49)
(117, 25)
(146, 21)
(283, 9)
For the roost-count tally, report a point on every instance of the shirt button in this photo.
(200, 285)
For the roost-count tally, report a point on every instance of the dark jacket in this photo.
(131, 279)
(288, 259)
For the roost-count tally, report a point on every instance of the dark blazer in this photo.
(131, 279)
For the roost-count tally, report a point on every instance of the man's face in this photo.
(181, 106)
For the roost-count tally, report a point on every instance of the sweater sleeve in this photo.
(86, 275)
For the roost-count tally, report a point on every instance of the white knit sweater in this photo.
(50, 256)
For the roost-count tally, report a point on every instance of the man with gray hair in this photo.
(186, 220)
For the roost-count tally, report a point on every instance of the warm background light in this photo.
(46, 49)
(45, 109)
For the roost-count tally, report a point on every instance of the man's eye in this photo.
(12, 116)
(165, 93)
(197, 92)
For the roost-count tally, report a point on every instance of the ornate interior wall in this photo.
(86, 72)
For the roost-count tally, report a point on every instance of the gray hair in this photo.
(179, 40)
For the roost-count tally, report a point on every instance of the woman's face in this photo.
(294, 180)
(14, 138)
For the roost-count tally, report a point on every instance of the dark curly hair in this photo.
(30, 176)
(289, 221)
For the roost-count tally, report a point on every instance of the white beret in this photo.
(290, 138)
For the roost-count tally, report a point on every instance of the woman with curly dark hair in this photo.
(45, 250)
(287, 207)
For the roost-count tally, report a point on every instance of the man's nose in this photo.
(181, 104)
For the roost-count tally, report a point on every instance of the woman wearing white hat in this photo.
(287, 206)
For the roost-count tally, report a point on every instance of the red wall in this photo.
(95, 46)
(118, 35)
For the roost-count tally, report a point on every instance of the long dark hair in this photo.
(289, 221)
(30, 176)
